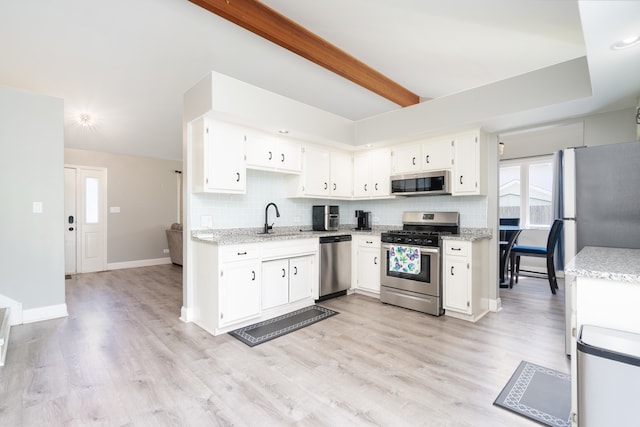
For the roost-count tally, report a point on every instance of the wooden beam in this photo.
(269, 24)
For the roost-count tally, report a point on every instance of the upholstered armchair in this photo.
(174, 238)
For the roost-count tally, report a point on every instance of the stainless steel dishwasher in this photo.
(335, 266)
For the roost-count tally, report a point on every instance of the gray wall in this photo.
(145, 190)
(31, 159)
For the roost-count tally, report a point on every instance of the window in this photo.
(526, 188)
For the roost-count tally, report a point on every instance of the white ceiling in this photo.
(127, 63)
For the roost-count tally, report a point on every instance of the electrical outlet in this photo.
(206, 221)
(376, 219)
(166, 251)
(296, 219)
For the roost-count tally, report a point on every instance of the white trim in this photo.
(138, 263)
(186, 314)
(16, 309)
(495, 305)
(44, 313)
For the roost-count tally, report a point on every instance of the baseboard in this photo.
(15, 314)
(138, 263)
(44, 313)
(186, 314)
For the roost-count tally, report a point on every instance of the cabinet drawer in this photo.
(238, 252)
(369, 242)
(456, 248)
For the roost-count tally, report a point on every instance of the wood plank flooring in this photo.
(123, 358)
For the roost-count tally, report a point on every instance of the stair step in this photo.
(4, 333)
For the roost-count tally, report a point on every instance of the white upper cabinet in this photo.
(218, 157)
(437, 154)
(267, 152)
(371, 172)
(324, 174)
(469, 171)
(406, 159)
(341, 175)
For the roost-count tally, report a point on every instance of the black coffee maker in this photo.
(364, 220)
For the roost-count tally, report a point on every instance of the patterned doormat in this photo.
(538, 393)
(258, 333)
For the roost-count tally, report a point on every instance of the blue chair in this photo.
(538, 251)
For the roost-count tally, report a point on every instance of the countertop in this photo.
(232, 236)
(606, 263)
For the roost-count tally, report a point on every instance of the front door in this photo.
(85, 219)
(70, 219)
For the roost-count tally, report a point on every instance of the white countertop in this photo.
(606, 263)
(234, 236)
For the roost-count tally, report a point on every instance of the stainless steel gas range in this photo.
(410, 274)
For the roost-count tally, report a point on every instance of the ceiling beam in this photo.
(269, 24)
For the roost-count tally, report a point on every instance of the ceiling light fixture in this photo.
(283, 131)
(85, 121)
(626, 43)
(501, 148)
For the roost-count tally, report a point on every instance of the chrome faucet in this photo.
(268, 227)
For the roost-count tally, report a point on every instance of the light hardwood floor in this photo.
(123, 357)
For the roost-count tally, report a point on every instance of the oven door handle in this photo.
(423, 249)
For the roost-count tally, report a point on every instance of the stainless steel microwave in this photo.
(421, 184)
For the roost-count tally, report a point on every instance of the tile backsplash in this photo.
(248, 210)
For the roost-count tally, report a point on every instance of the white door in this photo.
(70, 217)
(92, 219)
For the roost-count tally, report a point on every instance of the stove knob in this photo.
(418, 241)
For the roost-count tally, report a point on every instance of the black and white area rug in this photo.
(258, 333)
(538, 393)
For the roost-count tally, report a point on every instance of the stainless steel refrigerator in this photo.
(601, 200)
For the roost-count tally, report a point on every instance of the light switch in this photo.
(114, 209)
(37, 207)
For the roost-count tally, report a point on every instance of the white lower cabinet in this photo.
(465, 285)
(368, 263)
(286, 280)
(237, 285)
(239, 291)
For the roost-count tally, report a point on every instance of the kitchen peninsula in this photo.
(604, 289)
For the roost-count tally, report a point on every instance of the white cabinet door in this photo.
(466, 171)
(239, 291)
(407, 159)
(371, 172)
(224, 149)
(457, 295)
(271, 153)
(341, 175)
(275, 283)
(300, 278)
(316, 171)
(369, 269)
(437, 154)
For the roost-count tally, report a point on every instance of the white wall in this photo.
(31, 170)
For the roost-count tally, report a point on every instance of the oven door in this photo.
(426, 281)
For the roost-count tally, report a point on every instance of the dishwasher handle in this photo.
(336, 239)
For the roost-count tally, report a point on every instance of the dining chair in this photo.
(505, 255)
(539, 251)
(504, 238)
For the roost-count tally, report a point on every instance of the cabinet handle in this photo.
(376, 187)
(460, 179)
(334, 186)
(237, 176)
(242, 253)
(413, 161)
(456, 249)
(270, 155)
(365, 187)
(427, 159)
(282, 161)
(369, 242)
(375, 260)
(284, 273)
(326, 186)
(295, 270)
(452, 270)
(253, 273)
